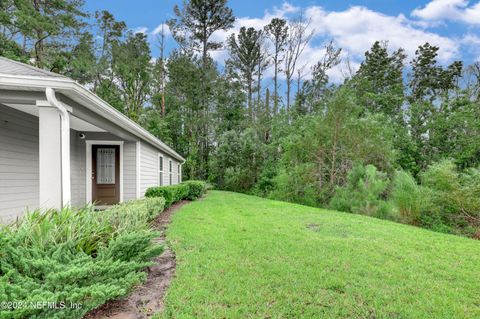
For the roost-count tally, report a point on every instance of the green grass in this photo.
(241, 256)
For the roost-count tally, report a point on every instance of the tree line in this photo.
(396, 139)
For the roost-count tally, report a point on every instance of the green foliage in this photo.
(455, 198)
(363, 193)
(132, 70)
(83, 257)
(190, 190)
(245, 52)
(379, 81)
(442, 176)
(196, 189)
(410, 199)
(238, 160)
(320, 150)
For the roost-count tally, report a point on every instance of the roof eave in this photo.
(101, 108)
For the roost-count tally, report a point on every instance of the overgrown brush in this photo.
(82, 258)
(363, 193)
(409, 198)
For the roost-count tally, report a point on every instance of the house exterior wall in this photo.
(19, 168)
(149, 168)
(19, 164)
(129, 171)
(77, 169)
(78, 165)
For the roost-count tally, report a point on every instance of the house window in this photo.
(179, 173)
(160, 170)
(170, 170)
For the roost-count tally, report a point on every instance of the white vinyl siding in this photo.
(19, 169)
(77, 169)
(129, 171)
(148, 167)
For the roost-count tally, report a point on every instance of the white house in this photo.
(60, 145)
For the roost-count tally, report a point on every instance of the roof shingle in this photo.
(11, 67)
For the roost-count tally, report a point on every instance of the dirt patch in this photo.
(147, 299)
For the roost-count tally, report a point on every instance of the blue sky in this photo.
(354, 25)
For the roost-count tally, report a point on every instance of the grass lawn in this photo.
(241, 256)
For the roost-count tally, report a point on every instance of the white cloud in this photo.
(357, 28)
(143, 30)
(471, 43)
(354, 30)
(158, 30)
(454, 10)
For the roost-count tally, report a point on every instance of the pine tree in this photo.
(379, 81)
(277, 31)
(245, 53)
(131, 68)
(193, 28)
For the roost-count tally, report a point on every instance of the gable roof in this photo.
(18, 74)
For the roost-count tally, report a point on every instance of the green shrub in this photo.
(81, 256)
(409, 198)
(196, 189)
(190, 190)
(455, 199)
(161, 191)
(363, 193)
(441, 176)
(296, 186)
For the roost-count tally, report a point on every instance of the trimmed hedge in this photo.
(190, 190)
(83, 257)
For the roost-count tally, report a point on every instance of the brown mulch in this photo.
(146, 299)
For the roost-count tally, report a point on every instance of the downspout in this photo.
(64, 145)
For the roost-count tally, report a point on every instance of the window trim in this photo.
(179, 173)
(160, 170)
(170, 169)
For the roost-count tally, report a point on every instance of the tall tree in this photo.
(263, 63)
(160, 72)
(110, 31)
(245, 53)
(430, 85)
(277, 31)
(83, 64)
(132, 70)
(314, 90)
(50, 25)
(193, 28)
(197, 21)
(297, 39)
(379, 81)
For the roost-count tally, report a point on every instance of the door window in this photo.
(105, 166)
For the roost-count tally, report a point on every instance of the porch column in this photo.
(54, 157)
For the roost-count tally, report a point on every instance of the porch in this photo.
(50, 158)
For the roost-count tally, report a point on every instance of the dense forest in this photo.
(398, 138)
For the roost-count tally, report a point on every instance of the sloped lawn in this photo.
(245, 257)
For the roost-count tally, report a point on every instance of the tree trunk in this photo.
(275, 83)
(259, 87)
(289, 83)
(250, 97)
